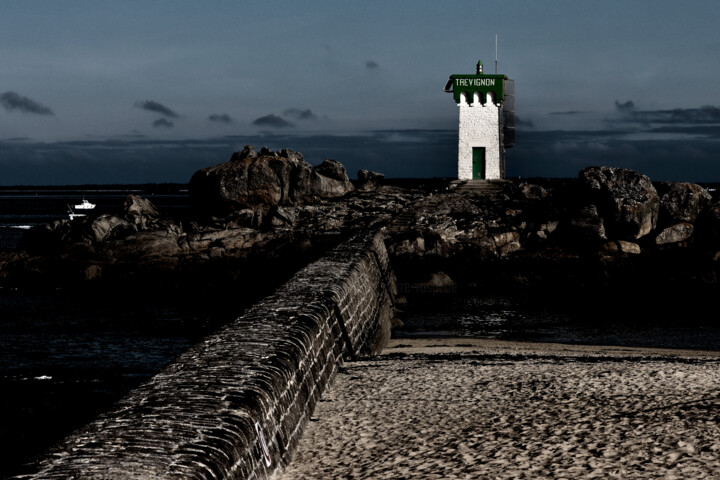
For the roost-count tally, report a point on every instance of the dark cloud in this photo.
(702, 115)
(625, 107)
(521, 122)
(220, 118)
(14, 101)
(569, 112)
(707, 114)
(700, 131)
(163, 123)
(272, 121)
(299, 114)
(134, 135)
(153, 106)
(371, 65)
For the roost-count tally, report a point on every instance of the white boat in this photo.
(85, 205)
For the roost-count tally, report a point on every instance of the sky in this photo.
(94, 91)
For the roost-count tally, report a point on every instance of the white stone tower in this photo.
(487, 123)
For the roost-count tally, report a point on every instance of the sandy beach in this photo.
(462, 409)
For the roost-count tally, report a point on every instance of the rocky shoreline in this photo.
(607, 227)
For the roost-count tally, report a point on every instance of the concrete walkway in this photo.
(460, 408)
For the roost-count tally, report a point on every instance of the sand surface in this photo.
(468, 409)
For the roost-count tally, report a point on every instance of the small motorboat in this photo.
(84, 205)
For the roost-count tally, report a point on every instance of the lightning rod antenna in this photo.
(496, 56)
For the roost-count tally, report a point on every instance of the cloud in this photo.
(299, 114)
(569, 112)
(707, 114)
(702, 115)
(520, 122)
(625, 107)
(220, 118)
(14, 101)
(163, 122)
(272, 121)
(371, 65)
(156, 107)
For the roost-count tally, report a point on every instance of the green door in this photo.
(478, 162)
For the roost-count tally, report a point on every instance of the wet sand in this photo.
(462, 409)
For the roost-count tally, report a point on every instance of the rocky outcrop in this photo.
(681, 202)
(367, 180)
(605, 213)
(140, 212)
(250, 179)
(106, 227)
(627, 200)
(329, 180)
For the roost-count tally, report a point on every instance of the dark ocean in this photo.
(67, 354)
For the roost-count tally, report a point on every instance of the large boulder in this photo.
(367, 180)
(106, 227)
(251, 179)
(681, 202)
(246, 180)
(329, 179)
(140, 212)
(625, 199)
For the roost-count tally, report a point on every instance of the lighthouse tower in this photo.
(487, 122)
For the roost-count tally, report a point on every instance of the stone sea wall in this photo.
(234, 405)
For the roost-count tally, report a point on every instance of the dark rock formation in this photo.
(140, 212)
(626, 199)
(329, 179)
(367, 180)
(269, 178)
(681, 202)
(604, 216)
(107, 227)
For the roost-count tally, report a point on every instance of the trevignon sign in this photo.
(474, 82)
(458, 84)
